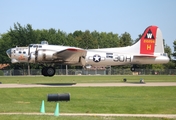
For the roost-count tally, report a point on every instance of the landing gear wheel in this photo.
(48, 71)
(44, 71)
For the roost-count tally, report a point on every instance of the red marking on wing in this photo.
(74, 49)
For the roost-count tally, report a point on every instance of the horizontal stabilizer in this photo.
(144, 55)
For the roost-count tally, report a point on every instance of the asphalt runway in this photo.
(86, 85)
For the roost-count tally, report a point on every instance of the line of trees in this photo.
(25, 35)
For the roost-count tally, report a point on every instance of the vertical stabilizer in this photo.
(151, 41)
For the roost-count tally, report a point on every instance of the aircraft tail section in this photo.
(151, 41)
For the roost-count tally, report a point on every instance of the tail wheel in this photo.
(50, 71)
(133, 69)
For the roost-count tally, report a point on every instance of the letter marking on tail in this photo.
(148, 47)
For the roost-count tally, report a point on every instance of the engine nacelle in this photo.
(44, 56)
(41, 56)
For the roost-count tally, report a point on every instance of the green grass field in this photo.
(44, 117)
(87, 79)
(120, 100)
(131, 100)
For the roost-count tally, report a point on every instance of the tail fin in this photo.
(151, 41)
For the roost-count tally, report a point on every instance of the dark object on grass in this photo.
(124, 79)
(58, 97)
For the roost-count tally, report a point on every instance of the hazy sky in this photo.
(117, 16)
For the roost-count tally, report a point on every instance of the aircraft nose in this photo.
(8, 52)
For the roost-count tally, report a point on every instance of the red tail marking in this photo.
(148, 39)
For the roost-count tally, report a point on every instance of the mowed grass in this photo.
(86, 79)
(120, 100)
(44, 117)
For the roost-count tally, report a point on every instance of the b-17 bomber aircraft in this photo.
(148, 50)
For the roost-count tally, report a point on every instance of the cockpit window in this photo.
(30, 45)
(19, 52)
(35, 46)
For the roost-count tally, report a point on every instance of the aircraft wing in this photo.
(71, 55)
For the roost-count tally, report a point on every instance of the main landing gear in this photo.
(48, 71)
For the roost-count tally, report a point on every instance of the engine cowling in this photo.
(44, 56)
(41, 56)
